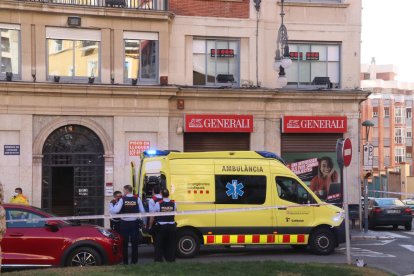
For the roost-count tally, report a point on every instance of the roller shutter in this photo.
(216, 141)
(300, 142)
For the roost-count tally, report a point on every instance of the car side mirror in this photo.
(52, 225)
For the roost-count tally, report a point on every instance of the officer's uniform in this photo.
(129, 226)
(165, 231)
(114, 223)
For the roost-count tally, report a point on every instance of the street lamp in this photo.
(282, 57)
(367, 124)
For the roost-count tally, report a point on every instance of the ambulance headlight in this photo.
(106, 232)
(338, 216)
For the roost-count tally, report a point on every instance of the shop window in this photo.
(73, 55)
(399, 154)
(215, 62)
(141, 57)
(312, 62)
(386, 112)
(240, 189)
(10, 50)
(290, 189)
(399, 115)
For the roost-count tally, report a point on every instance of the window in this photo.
(399, 154)
(374, 113)
(215, 62)
(240, 189)
(399, 115)
(314, 60)
(18, 214)
(399, 136)
(408, 112)
(10, 50)
(315, 1)
(73, 54)
(409, 133)
(408, 151)
(141, 57)
(290, 189)
(386, 112)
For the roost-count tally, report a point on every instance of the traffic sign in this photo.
(347, 152)
(368, 157)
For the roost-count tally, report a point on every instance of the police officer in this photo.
(129, 226)
(156, 196)
(115, 223)
(165, 229)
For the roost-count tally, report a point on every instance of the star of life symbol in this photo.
(234, 189)
(196, 123)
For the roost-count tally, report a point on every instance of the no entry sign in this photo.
(347, 152)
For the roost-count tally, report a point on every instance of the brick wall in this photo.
(210, 8)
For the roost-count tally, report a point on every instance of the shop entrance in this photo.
(73, 173)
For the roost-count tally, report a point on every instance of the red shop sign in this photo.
(218, 123)
(314, 124)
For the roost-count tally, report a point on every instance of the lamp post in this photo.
(367, 124)
(282, 57)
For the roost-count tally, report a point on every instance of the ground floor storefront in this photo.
(70, 146)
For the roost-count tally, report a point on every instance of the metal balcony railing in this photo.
(159, 5)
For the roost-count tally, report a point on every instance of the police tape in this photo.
(156, 214)
(391, 193)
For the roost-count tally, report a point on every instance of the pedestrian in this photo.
(129, 226)
(2, 218)
(115, 223)
(165, 229)
(19, 198)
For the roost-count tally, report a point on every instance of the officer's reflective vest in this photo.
(129, 205)
(166, 207)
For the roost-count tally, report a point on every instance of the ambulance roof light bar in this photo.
(152, 153)
(268, 154)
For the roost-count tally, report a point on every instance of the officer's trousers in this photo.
(130, 232)
(165, 242)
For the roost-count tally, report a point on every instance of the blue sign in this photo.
(234, 189)
(11, 149)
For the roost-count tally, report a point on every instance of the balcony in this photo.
(157, 5)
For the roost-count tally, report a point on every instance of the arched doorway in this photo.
(73, 172)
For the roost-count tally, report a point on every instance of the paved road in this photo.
(395, 255)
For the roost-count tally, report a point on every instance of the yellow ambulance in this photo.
(277, 208)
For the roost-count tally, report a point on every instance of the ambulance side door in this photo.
(291, 217)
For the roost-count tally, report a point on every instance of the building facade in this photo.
(389, 107)
(89, 85)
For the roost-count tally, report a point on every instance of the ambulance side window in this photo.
(240, 189)
(290, 189)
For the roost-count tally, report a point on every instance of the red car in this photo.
(55, 243)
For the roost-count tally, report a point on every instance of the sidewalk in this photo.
(360, 235)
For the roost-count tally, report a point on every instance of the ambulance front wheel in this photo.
(188, 243)
(322, 242)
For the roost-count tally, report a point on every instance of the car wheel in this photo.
(84, 256)
(408, 226)
(322, 241)
(395, 226)
(188, 244)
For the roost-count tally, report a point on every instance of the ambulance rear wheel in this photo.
(188, 244)
(322, 242)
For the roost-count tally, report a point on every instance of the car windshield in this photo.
(389, 202)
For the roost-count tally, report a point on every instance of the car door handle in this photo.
(16, 235)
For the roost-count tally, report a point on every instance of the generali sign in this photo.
(314, 124)
(218, 123)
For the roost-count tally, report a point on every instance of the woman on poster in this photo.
(326, 175)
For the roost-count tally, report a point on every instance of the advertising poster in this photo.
(320, 171)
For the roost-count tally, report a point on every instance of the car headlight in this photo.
(106, 232)
(338, 216)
